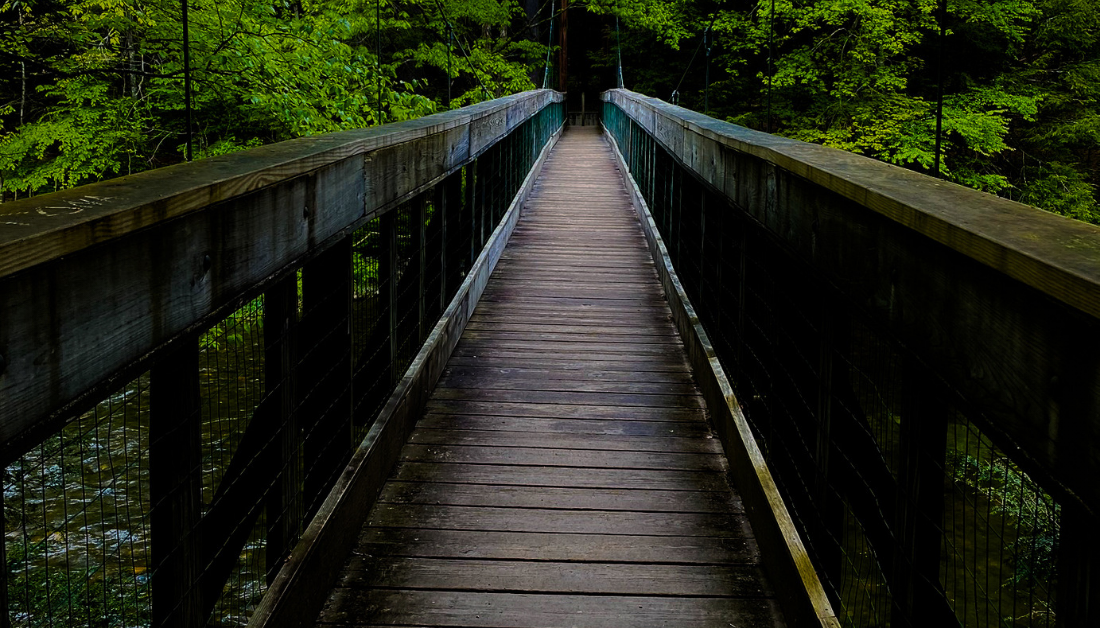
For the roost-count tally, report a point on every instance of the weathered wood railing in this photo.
(190, 357)
(918, 363)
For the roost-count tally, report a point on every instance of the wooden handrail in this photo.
(1056, 255)
(96, 278)
(992, 307)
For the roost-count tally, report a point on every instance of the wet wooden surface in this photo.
(564, 473)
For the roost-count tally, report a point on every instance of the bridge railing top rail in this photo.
(95, 278)
(46, 227)
(1056, 255)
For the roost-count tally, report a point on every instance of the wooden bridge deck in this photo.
(564, 473)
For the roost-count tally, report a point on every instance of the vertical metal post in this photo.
(563, 53)
(450, 36)
(771, 71)
(187, 78)
(619, 50)
(378, 56)
(549, 45)
(942, 13)
(175, 487)
(441, 214)
(706, 73)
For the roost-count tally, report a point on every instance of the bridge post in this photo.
(175, 487)
(918, 523)
(420, 210)
(280, 359)
(387, 267)
(456, 225)
(440, 213)
(1078, 568)
(325, 373)
(471, 209)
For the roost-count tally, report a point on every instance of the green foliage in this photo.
(1020, 82)
(91, 89)
(1013, 496)
(93, 599)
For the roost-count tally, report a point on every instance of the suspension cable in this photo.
(549, 45)
(771, 70)
(187, 80)
(378, 58)
(676, 92)
(942, 10)
(706, 74)
(619, 47)
(485, 92)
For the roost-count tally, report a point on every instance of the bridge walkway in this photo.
(564, 473)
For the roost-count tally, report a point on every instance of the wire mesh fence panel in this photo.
(1000, 535)
(910, 513)
(76, 521)
(231, 380)
(177, 498)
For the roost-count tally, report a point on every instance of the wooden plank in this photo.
(497, 381)
(507, 496)
(585, 578)
(623, 548)
(560, 410)
(525, 374)
(564, 338)
(666, 442)
(545, 457)
(801, 595)
(580, 427)
(568, 477)
(506, 610)
(568, 365)
(298, 591)
(565, 451)
(646, 401)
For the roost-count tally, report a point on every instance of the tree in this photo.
(91, 89)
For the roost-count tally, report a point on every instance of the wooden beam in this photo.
(797, 585)
(175, 488)
(178, 248)
(1000, 300)
(284, 504)
(299, 590)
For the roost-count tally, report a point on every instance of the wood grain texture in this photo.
(801, 595)
(1054, 254)
(564, 473)
(1001, 301)
(296, 595)
(95, 278)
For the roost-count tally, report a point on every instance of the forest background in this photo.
(91, 89)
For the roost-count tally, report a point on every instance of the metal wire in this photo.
(835, 404)
(76, 520)
(285, 387)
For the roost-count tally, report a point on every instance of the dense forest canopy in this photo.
(1020, 82)
(93, 88)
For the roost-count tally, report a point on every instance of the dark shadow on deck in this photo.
(564, 473)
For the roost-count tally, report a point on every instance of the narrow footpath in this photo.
(564, 473)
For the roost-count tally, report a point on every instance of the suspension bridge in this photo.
(487, 368)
